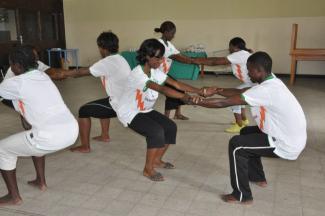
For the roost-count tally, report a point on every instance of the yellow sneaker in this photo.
(245, 122)
(234, 129)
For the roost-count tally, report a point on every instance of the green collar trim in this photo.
(269, 77)
(30, 69)
(149, 76)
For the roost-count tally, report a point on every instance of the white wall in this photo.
(265, 26)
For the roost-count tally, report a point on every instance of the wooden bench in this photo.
(302, 54)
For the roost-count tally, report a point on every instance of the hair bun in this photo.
(157, 30)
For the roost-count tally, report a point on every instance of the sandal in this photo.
(168, 165)
(229, 198)
(155, 177)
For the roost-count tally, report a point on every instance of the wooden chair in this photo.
(302, 54)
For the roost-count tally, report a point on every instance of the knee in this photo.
(156, 138)
(171, 127)
(83, 112)
(7, 162)
(234, 142)
(158, 133)
(243, 131)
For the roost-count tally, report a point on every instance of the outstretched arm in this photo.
(165, 90)
(204, 91)
(171, 92)
(220, 102)
(55, 73)
(182, 58)
(212, 61)
(229, 92)
(59, 74)
(184, 87)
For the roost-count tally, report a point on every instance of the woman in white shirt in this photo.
(113, 70)
(237, 59)
(135, 108)
(54, 74)
(168, 31)
(40, 103)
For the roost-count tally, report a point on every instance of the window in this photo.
(8, 27)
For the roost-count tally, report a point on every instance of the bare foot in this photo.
(229, 198)
(101, 138)
(80, 149)
(9, 200)
(38, 184)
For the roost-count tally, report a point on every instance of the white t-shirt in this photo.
(114, 72)
(170, 49)
(238, 62)
(40, 103)
(278, 114)
(137, 97)
(41, 67)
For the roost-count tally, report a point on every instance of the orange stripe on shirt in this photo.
(139, 100)
(239, 73)
(103, 82)
(262, 119)
(21, 107)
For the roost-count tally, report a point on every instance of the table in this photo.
(63, 53)
(130, 57)
(178, 70)
(302, 54)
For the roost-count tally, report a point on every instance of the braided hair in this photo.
(239, 43)
(166, 26)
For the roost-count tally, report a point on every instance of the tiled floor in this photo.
(108, 181)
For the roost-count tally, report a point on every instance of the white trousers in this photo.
(17, 145)
(237, 109)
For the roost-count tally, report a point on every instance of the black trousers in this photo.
(97, 109)
(156, 127)
(245, 151)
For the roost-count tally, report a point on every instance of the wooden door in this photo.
(36, 22)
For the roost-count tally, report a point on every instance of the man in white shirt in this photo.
(280, 131)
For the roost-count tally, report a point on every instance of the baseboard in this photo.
(278, 75)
